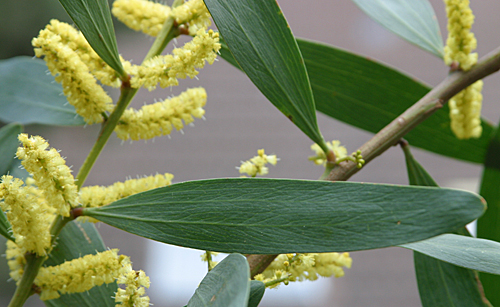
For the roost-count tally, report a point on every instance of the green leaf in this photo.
(262, 43)
(93, 18)
(369, 95)
(276, 216)
(76, 240)
(29, 95)
(440, 283)
(8, 146)
(488, 226)
(414, 21)
(5, 227)
(467, 252)
(257, 289)
(227, 285)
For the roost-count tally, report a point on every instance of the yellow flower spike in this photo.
(132, 295)
(157, 119)
(256, 165)
(141, 15)
(465, 112)
(79, 85)
(81, 274)
(97, 196)
(165, 69)
(193, 12)
(50, 173)
(320, 157)
(461, 42)
(27, 216)
(15, 260)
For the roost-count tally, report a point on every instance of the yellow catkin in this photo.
(194, 13)
(81, 274)
(97, 196)
(134, 293)
(320, 157)
(465, 112)
(30, 219)
(257, 165)
(141, 15)
(166, 69)
(461, 42)
(50, 173)
(157, 119)
(79, 85)
(15, 260)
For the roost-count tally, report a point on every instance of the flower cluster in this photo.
(301, 267)
(465, 107)
(133, 294)
(166, 69)
(257, 165)
(320, 157)
(141, 15)
(461, 41)
(67, 54)
(194, 13)
(97, 196)
(157, 119)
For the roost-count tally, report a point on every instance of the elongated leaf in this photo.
(76, 240)
(440, 283)
(227, 285)
(93, 18)
(8, 146)
(488, 226)
(257, 290)
(468, 252)
(5, 227)
(414, 21)
(369, 95)
(29, 95)
(262, 43)
(276, 216)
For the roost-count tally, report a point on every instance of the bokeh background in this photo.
(239, 120)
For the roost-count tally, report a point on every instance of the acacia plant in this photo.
(275, 230)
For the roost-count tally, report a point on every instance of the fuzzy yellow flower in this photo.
(133, 294)
(257, 164)
(465, 112)
(50, 172)
(157, 119)
(30, 218)
(193, 12)
(320, 157)
(97, 196)
(79, 85)
(141, 15)
(166, 69)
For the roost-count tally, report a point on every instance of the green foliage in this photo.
(75, 240)
(414, 21)
(8, 146)
(93, 18)
(262, 43)
(488, 226)
(29, 96)
(276, 216)
(257, 289)
(227, 285)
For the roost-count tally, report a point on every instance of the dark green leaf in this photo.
(414, 21)
(93, 18)
(468, 252)
(227, 285)
(29, 95)
(5, 226)
(76, 240)
(275, 216)
(369, 95)
(488, 226)
(257, 289)
(8, 146)
(262, 43)
(440, 283)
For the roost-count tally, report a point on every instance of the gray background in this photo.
(239, 120)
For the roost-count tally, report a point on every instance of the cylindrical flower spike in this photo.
(141, 15)
(165, 69)
(97, 196)
(193, 12)
(133, 294)
(461, 42)
(465, 112)
(50, 172)
(81, 274)
(157, 119)
(79, 85)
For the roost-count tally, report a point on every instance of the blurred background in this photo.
(239, 121)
